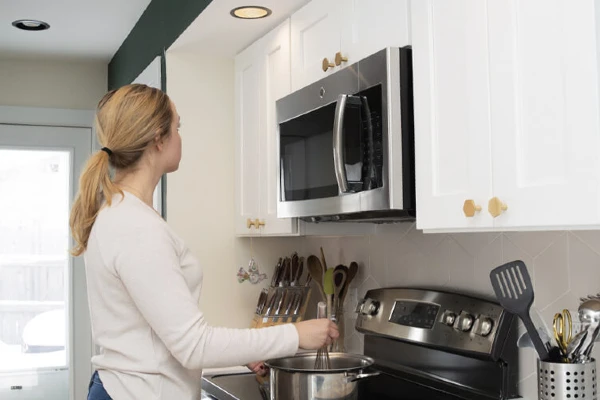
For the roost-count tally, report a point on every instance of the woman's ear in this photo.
(159, 142)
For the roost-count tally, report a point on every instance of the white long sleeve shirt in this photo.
(143, 288)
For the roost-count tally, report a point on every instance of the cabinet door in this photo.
(316, 31)
(371, 25)
(545, 112)
(452, 117)
(275, 84)
(247, 136)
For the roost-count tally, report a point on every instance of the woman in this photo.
(143, 283)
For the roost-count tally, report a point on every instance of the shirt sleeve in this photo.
(150, 271)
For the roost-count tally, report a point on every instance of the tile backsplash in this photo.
(564, 265)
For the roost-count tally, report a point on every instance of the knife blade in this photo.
(262, 301)
(261, 297)
(280, 305)
(297, 306)
(270, 307)
(276, 273)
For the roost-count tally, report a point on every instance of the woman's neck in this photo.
(140, 183)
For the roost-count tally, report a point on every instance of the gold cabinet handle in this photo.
(250, 223)
(496, 207)
(339, 58)
(258, 223)
(470, 208)
(327, 64)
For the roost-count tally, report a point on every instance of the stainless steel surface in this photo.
(465, 321)
(580, 347)
(295, 378)
(338, 144)
(387, 202)
(441, 334)
(557, 381)
(232, 387)
(305, 362)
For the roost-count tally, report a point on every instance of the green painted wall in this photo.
(159, 26)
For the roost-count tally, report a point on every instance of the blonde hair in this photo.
(128, 120)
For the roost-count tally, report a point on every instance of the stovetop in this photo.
(427, 344)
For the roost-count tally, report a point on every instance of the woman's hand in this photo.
(315, 333)
(258, 368)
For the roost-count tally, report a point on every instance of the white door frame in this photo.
(80, 337)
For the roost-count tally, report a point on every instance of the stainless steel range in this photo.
(427, 345)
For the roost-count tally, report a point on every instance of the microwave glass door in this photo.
(307, 160)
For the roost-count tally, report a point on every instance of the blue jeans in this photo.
(96, 389)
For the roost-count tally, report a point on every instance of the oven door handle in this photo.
(338, 144)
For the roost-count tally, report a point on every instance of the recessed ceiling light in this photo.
(31, 25)
(251, 12)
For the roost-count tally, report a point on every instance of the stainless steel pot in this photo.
(294, 378)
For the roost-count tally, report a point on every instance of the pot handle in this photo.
(356, 377)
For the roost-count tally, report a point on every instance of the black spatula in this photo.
(514, 291)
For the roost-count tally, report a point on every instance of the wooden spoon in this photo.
(352, 271)
(324, 263)
(340, 275)
(315, 269)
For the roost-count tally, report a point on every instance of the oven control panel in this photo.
(446, 320)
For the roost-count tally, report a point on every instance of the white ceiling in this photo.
(216, 32)
(79, 29)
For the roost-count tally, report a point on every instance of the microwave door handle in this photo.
(338, 144)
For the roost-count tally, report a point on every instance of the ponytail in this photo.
(95, 185)
(128, 120)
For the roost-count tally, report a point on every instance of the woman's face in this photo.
(172, 144)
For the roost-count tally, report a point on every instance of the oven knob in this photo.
(465, 322)
(367, 307)
(372, 308)
(485, 326)
(449, 318)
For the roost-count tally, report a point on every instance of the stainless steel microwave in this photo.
(346, 143)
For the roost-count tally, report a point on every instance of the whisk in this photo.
(322, 361)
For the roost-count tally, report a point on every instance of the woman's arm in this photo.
(150, 271)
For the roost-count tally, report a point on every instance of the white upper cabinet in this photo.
(544, 81)
(506, 114)
(275, 84)
(315, 35)
(343, 32)
(262, 76)
(452, 117)
(371, 25)
(247, 139)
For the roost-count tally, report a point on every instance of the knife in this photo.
(299, 300)
(291, 298)
(262, 301)
(276, 273)
(270, 307)
(280, 305)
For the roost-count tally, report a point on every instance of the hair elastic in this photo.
(107, 150)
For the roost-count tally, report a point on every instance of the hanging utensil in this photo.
(514, 291)
(323, 260)
(316, 272)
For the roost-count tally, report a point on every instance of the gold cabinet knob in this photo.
(250, 223)
(258, 223)
(470, 208)
(339, 58)
(496, 207)
(327, 64)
